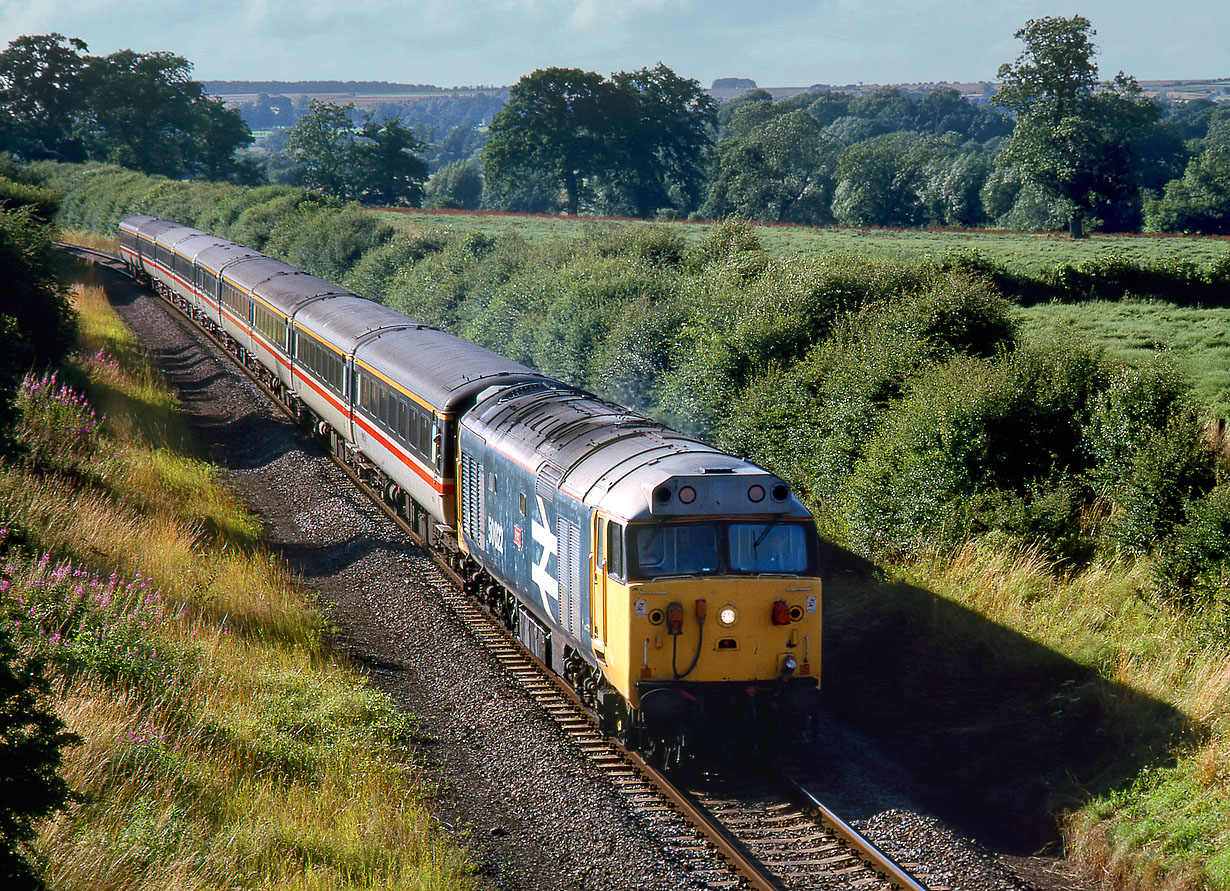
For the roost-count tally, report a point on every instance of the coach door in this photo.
(597, 603)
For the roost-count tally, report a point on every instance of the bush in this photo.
(1172, 468)
(377, 270)
(31, 740)
(326, 240)
(1137, 405)
(30, 295)
(1193, 565)
(43, 203)
(971, 437)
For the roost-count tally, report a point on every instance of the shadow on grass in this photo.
(1007, 733)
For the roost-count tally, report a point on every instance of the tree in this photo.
(781, 172)
(40, 97)
(661, 140)
(139, 110)
(569, 138)
(457, 185)
(144, 111)
(322, 144)
(390, 170)
(1073, 137)
(552, 133)
(1199, 201)
(220, 131)
(375, 163)
(1055, 74)
(879, 181)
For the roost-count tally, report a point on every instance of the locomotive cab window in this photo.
(615, 550)
(735, 548)
(683, 549)
(768, 547)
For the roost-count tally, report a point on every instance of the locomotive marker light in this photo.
(756, 493)
(781, 613)
(728, 615)
(789, 664)
(687, 494)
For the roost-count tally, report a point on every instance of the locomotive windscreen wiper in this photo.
(761, 537)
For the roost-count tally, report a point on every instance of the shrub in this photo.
(971, 436)
(31, 740)
(732, 245)
(43, 203)
(378, 269)
(30, 294)
(1193, 564)
(1172, 468)
(325, 240)
(254, 225)
(1137, 405)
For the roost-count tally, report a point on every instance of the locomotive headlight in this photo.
(728, 615)
(789, 664)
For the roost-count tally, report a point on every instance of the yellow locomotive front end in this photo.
(712, 602)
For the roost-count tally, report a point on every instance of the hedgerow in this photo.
(897, 396)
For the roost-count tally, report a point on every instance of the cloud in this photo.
(590, 15)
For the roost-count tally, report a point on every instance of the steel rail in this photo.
(876, 858)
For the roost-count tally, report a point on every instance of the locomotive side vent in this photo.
(472, 498)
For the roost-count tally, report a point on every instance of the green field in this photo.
(1198, 340)
(1022, 253)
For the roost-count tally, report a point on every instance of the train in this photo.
(673, 586)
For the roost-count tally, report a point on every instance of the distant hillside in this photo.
(328, 87)
(978, 92)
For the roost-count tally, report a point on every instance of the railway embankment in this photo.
(222, 741)
(1045, 627)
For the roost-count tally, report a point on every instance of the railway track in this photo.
(769, 835)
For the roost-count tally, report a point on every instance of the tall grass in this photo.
(1169, 827)
(223, 744)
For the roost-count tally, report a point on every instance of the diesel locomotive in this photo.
(669, 583)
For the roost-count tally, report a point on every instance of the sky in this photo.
(494, 42)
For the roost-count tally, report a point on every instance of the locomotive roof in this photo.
(614, 459)
(438, 367)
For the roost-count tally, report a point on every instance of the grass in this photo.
(1027, 691)
(1197, 339)
(224, 745)
(1022, 253)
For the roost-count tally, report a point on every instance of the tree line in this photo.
(1058, 149)
(137, 110)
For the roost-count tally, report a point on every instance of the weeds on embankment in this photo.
(222, 744)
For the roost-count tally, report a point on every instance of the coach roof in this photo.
(438, 367)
